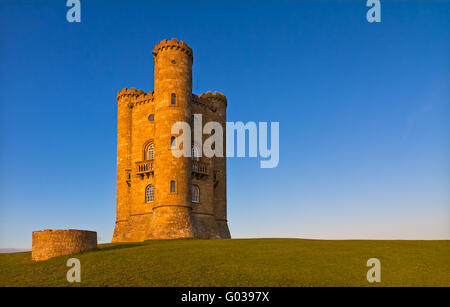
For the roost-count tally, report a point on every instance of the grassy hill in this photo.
(240, 262)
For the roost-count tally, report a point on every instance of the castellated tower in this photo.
(160, 196)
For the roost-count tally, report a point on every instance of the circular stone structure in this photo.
(51, 243)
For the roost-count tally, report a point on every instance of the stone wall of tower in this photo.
(124, 120)
(170, 214)
(203, 211)
(143, 132)
(217, 104)
(220, 164)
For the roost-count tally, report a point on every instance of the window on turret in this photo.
(195, 194)
(149, 191)
(151, 117)
(172, 142)
(173, 99)
(172, 187)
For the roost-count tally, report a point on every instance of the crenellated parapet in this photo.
(172, 44)
(216, 99)
(144, 98)
(203, 102)
(134, 96)
(131, 93)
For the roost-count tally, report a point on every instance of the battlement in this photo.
(172, 44)
(144, 98)
(136, 96)
(214, 97)
(132, 92)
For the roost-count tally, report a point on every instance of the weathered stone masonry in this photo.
(154, 189)
(53, 243)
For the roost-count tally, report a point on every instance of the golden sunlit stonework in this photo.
(160, 196)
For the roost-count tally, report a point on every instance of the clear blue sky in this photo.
(363, 111)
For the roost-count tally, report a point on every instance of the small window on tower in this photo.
(173, 62)
(149, 193)
(173, 99)
(172, 142)
(151, 117)
(150, 152)
(195, 194)
(172, 187)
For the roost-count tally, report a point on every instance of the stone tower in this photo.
(160, 196)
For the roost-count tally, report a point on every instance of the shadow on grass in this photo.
(120, 246)
(172, 240)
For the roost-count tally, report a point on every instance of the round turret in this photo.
(173, 44)
(172, 101)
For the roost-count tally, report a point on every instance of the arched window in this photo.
(150, 152)
(172, 187)
(173, 99)
(149, 193)
(172, 142)
(195, 193)
(151, 117)
(195, 153)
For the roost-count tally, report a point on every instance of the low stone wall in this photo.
(53, 243)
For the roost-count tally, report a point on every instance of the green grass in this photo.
(252, 262)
